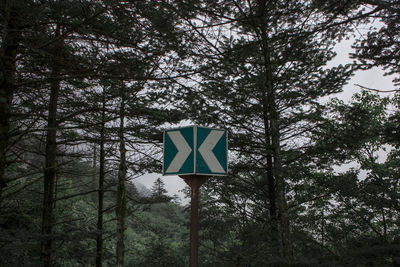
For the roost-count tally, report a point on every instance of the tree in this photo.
(380, 47)
(51, 151)
(60, 56)
(70, 50)
(121, 191)
(100, 198)
(137, 58)
(365, 195)
(69, 45)
(158, 190)
(15, 19)
(8, 59)
(262, 80)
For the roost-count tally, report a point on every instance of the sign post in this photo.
(194, 182)
(195, 153)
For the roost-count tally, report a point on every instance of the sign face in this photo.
(195, 150)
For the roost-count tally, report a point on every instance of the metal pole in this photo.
(194, 225)
(194, 181)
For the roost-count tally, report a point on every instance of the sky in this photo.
(373, 78)
(174, 184)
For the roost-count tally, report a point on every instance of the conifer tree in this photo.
(380, 47)
(15, 19)
(158, 189)
(262, 81)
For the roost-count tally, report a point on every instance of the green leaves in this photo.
(381, 46)
(356, 134)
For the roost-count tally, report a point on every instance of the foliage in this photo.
(381, 45)
(158, 190)
(312, 182)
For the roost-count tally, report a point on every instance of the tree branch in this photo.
(377, 90)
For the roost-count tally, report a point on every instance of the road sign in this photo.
(195, 150)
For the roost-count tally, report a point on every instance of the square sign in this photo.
(195, 150)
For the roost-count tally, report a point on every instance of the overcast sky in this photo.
(373, 78)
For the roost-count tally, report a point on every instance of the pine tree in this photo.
(380, 47)
(8, 58)
(15, 19)
(72, 54)
(263, 82)
(158, 189)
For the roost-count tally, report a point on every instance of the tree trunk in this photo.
(269, 178)
(273, 116)
(384, 223)
(280, 186)
(50, 158)
(121, 192)
(7, 83)
(277, 160)
(99, 239)
(94, 177)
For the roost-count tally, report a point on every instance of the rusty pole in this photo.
(194, 181)
(194, 226)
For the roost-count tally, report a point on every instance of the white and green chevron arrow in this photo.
(195, 150)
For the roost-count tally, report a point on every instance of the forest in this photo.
(87, 88)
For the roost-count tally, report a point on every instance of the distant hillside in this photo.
(142, 190)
